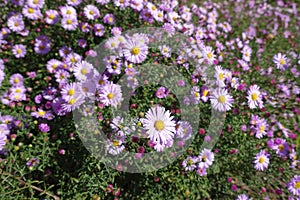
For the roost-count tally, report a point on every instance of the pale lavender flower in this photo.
(19, 50)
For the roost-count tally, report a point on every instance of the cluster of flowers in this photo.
(200, 162)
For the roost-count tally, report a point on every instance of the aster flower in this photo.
(3, 139)
(16, 79)
(115, 145)
(57, 106)
(44, 127)
(111, 94)
(32, 163)
(116, 31)
(254, 97)
(31, 13)
(81, 70)
(281, 61)
(41, 47)
(183, 130)
(137, 4)
(72, 59)
(62, 76)
(84, 27)
(88, 88)
(68, 12)
(189, 163)
(135, 51)
(165, 51)
(53, 65)
(221, 100)
(69, 22)
(35, 3)
(206, 157)
(72, 103)
(109, 19)
(74, 2)
(261, 128)
(243, 197)
(195, 95)
(209, 54)
(91, 12)
(4, 130)
(121, 3)
(294, 185)
(65, 51)
(99, 30)
(159, 125)
(19, 50)
(70, 91)
(52, 17)
(16, 23)
(201, 169)
(261, 160)
(220, 76)
(247, 51)
(162, 92)
(204, 93)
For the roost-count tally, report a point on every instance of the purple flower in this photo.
(16, 23)
(69, 22)
(32, 162)
(162, 92)
(294, 185)
(3, 139)
(109, 19)
(52, 17)
(19, 50)
(82, 43)
(44, 127)
(16, 79)
(261, 160)
(42, 45)
(99, 30)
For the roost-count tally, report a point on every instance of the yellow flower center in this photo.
(51, 16)
(196, 94)
(204, 158)
(135, 51)
(190, 162)
(297, 185)
(101, 82)
(114, 67)
(16, 24)
(121, 1)
(16, 80)
(72, 101)
(92, 12)
(116, 143)
(153, 8)
(205, 93)
(84, 71)
(222, 99)
(73, 60)
(110, 96)
(19, 51)
(159, 125)
(113, 44)
(35, 1)
(18, 90)
(261, 129)
(209, 55)
(69, 12)
(261, 159)
(254, 97)
(41, 113)
(221, 76)
(110, 19)
(30, 10)
(71, 92)
(281, 147)
(282, 61)
(69, 21)
(54, 66)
